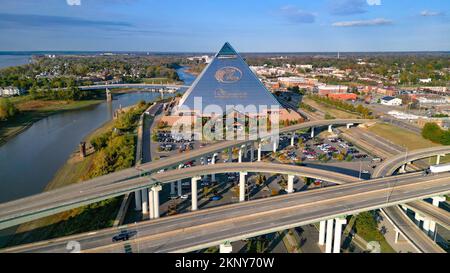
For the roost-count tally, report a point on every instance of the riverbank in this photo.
(76, 167)
(32, 111)
(97, 162)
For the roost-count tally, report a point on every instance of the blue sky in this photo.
(204, 25)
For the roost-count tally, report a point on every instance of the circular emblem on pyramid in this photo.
(228, 74)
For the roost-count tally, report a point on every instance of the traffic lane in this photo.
(391, 164)
(235, 210)
(119, 188)
(437, 214)
(250, 226)
(162, 163)
(409, 230)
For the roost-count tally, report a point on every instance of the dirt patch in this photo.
(39, 104)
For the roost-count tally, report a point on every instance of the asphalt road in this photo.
(393, 163)
(440, 216)
(205, 228)
(62, 199)
(88, 192)
(410, 231)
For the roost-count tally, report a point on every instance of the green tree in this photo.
(432, 131)
(7, 109)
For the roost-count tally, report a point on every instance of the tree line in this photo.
(433, 132)
(339, 104)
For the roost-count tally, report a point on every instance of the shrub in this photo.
(7, 109)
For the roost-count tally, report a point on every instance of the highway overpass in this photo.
(131, 85)
(62, 199)
(401, 222)
(438, 215)
(211, 227)
(390, 165)
(121, 182)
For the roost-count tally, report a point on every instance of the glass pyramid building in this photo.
(227, 81)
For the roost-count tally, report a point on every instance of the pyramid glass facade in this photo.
(227, 81)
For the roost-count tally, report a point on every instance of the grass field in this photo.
(331, 110)
(403, 137)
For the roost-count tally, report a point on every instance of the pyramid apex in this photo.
(226, 50)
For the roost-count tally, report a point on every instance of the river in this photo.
(29, 161)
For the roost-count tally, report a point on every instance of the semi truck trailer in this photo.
(438, 168)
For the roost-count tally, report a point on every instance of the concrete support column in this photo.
(108, 95)
(322, 227)
(338, 233)
(151, 203)
(329, 236)
(240, 155)
(230, 154)
(432, 225)
(137, 200)
(403, 169)
(292, 139)
(172, 188)
(242, 186)
(290, 186)
(252, 152)
(274, 146)
(194, 192)
(312, 132)
(226, 247)
(155, 191)
(144, 195)
(426, 225)
(437, 200)
(438, 159)
(348, 125)
(330, 128)
(213, 161)
(179, 188)
(418, 217)
(397, 235)
(259, 151)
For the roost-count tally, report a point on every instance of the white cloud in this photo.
(374, 2)
(73, 2)
(430, 13)
(296, 15)
(362, 23)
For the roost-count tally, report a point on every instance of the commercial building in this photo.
(297, 81)
(391, 101)
(324, 90)
(227, 85)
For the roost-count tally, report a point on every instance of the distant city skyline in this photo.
(203, 26)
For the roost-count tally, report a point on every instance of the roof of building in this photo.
(388, 98)
(227, 80)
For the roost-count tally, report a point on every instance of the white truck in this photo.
(438, 169)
